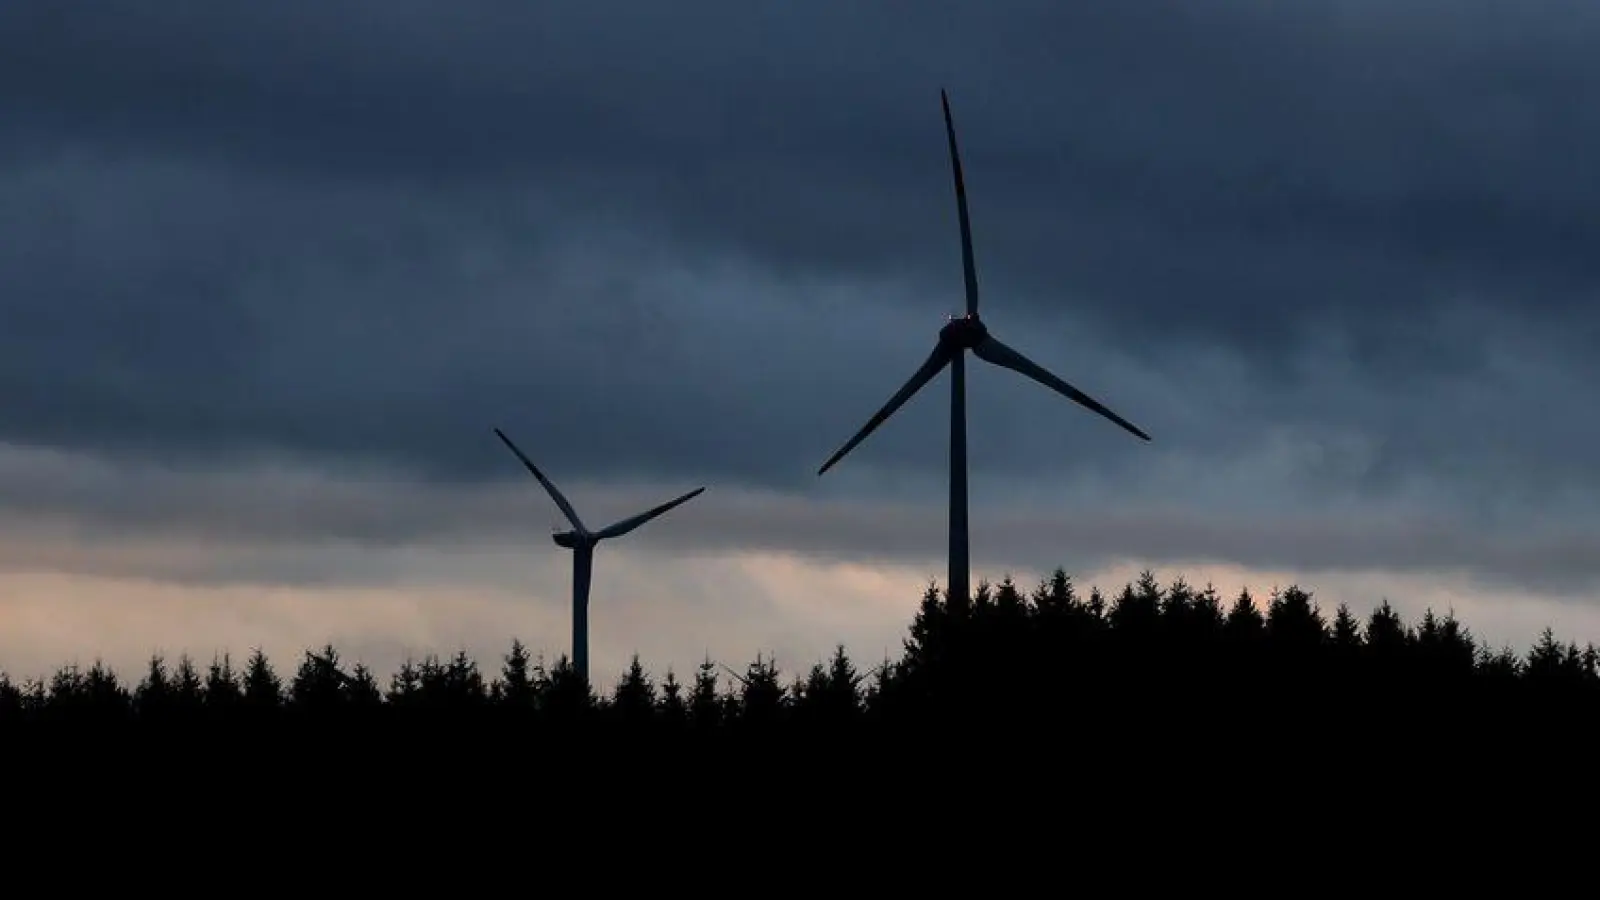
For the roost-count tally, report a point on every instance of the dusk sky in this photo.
(271, 274)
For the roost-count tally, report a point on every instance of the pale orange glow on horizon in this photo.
(673, 613)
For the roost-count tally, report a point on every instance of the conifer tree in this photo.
(35, 697)
(879, 698)
(568, 697)
(223, 694)
(263, 689)
(809, 692)
(634, 700)
(1293, 621)
(66, 690)
(188, 690)
(318, 684)
(705, 700)
(453, 686)
(1553, 664)
(1096, 606)
(153, 698)
(1245, 621)
(1387, 670)
(1176, 604)
(837, 695)
(405, 685)
(1136, 610)
(761, 695)
(515, 688)
(1387, 636)
(11, 705)
(672, 708)
(1346, 632)
(927, 647)
(1207, 612)
(1055, 597)
(104, 693)
(362, 691)
(1009, 602)
(1458, 648)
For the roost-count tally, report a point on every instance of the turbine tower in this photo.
(957, 337)
(581, 541)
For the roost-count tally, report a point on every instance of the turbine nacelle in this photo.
(569, 540)
(963, 332)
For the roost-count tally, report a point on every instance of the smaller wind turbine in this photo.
(581, 541)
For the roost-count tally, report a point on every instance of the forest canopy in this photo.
(1008, 657)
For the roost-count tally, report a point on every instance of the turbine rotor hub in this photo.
(963, 332)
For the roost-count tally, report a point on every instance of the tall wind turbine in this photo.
(581, 541)
(957, 337)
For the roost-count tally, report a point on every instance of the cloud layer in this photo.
(270, 279)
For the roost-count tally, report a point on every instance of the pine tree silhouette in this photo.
(263, 689)
(223, 694)
(1159, 666)
(515, 689)
(633, 702)
(705, 701)
(672, 709)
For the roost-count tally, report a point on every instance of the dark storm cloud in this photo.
(352, 229)
(1447, 134)
(291, 527)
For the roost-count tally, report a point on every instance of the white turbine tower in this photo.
(955, 339)
(581, 541)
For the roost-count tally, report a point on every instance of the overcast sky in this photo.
(269, 277)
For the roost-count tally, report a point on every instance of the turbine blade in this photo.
(566, 508)
(629, 524)
(969, 268)
(937, 360)
(741, 679)
(992, 351)
(328, 665)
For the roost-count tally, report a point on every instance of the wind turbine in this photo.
(957, 337)
(581, 541)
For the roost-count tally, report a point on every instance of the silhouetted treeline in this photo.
(1152, 657)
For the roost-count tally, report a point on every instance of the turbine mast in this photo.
(958, 587)
(582, 566)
